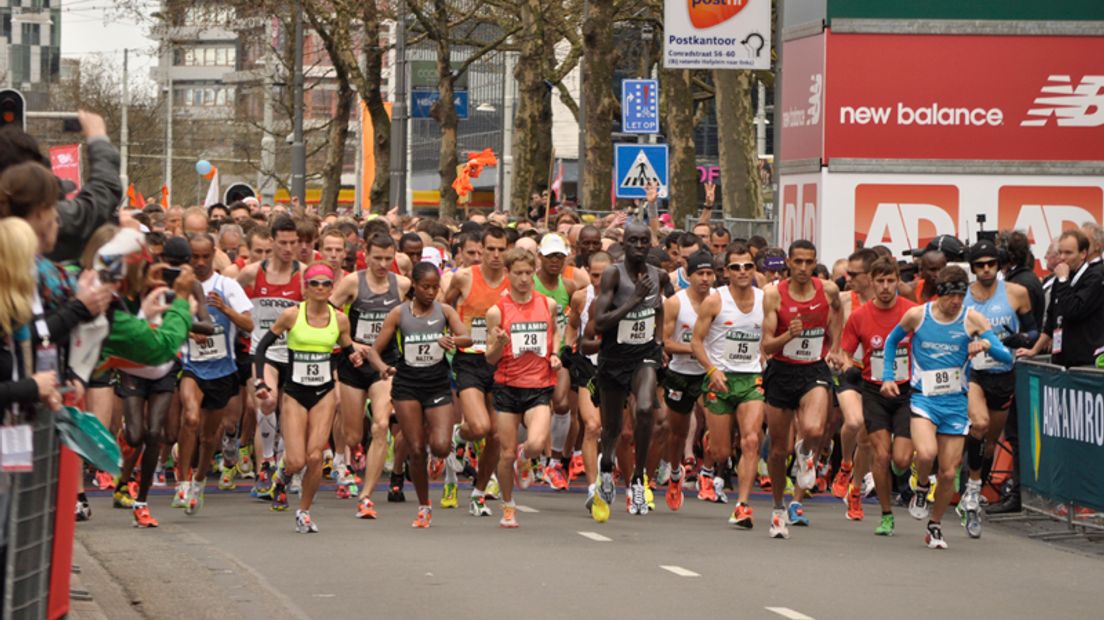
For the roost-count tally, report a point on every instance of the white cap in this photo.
(551, 244)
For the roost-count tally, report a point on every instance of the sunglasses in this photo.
(985, 263)
(741, 267)
(319, 283)
(853, 274)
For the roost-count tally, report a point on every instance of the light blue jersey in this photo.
(213, 358)
(1004, 320)
(939, 372)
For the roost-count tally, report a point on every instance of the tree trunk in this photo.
(335, 147)
(444, 112)
(741, 190)
(678, 116)
(527, 117)
(598, 62)
(381, 123)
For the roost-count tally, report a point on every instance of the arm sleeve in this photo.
(1028, 334)
(895, 337)
(134, 339)
(997, 350)
(259, 355)
(22, 391)
(94, 205)
(65, 319)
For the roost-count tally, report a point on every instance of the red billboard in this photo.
(1019, 98)
(65, 160)
(904, 216)
(803, 99)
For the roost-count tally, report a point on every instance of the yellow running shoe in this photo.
(123, 499)
(448, 500)
(649, 496)
(600, 509)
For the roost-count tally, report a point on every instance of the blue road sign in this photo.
(640, 106)
(636, 165)
(422, 100)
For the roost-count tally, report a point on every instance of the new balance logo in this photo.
(1069, 105)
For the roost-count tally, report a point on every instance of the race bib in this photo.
(423, 350)
(1056, 344)
(942, 381)
(807, 347)
(311, 369)
(479, 332)
(16, 448)
(212, 349)
(637, 327)
(900, 365)
(741, 348)
(369, 325)
(529, 338)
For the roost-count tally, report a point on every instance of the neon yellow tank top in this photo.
(309, 339)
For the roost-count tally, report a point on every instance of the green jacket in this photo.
(135, 340)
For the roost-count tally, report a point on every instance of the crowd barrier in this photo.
(741, 228)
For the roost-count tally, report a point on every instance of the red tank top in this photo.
(290, 290)
(811, 345)
(524, 362)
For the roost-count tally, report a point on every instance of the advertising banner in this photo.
(1061, 418)
(1017, 98)
(974, 9)
(800, 211)
(803, 99)
(717, 34)
(66, 163)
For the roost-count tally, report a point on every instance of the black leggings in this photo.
(146, 431)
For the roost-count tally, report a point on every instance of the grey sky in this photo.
(95, 26)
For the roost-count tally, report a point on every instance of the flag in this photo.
(132, 200)
(213, 189)
(557, 183)
(165, 197)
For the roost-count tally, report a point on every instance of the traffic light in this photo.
(236, 192)
(12, 109)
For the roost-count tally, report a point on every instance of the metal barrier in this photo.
(31, 527)
(742, 228)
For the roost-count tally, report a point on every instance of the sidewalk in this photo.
(108, 600)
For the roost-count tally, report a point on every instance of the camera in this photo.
(169, 275)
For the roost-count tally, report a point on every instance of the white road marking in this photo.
(595, 536)
(786, 612)
(528, 509)
(325, 595)
(680, 571)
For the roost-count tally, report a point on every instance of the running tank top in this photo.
(269, 300)
(584, 317)
(683, 363)
(1002, 317)
(633, 338)
(560, 296)
(369, 309)
(810, 346)
(421, 360)
(473, 312)
(214, 358)
(939, 355)
(524, 361)
(734, 337)
(310, 349)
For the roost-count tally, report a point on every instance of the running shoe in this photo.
(395, 493)
(918, 506)
(603, 499)
(778, 527)
(690, 468)
(279, 497)
(806, 466)
(348, 481)
(478, 507)
(556, 477)
(578, 467)
(304, 524)
(969, 508)
(132, 489)
(868, 485)
(245, 463)
(741, 516)
(122, 499)
(448, 498)
(885, 528)
(707, 491)
(509, 517)
(934, 537)
(366, 509)
(523, 470)
(493, 491)
(296, 484)
(195, 498)
(663, 472)
(590, 498)
(436, 468)
(638, 503)
(842, 481)
(180, 498)
(425, 515)
(226, 480)
(649, 492)
(763, 481)
(229, 451)
(142, 516)
(262, 488)
(795, 515)
(674, 494)
(327, 462)
(84, 510)
(105, 481)
(718, 490)
(342, 492)
(854, 504)
(159, 477)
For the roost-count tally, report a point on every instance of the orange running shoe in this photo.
(554, 474)
(132, 488)
(764, 482)
(425, 515)
(842, 480)
(509, 517)
(741, 516)
(142, 517)
(706, 492)
(854, 504)
(674, 494)
(577, 467)
(366, 509)
(342, 491)
(105, 481)
(436, 468)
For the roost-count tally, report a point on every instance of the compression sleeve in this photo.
(895, 337)
(259, 356)
(997, 350)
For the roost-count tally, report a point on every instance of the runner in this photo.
(522, 345)
(423, 329)
(886, 420)
(726, 342)
(313, 328)
(682, 383)
(1007, 307)
(628, 314)
(373, 293)
(801, 320)
(688, 244)
(943, 341)
(472, 292)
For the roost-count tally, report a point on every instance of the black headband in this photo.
(952, 288)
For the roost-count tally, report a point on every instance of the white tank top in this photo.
(682, 363)
(734, 338)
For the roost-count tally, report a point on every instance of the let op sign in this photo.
(717, 34)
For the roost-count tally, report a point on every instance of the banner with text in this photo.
(717, 34)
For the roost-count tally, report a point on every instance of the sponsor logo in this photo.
(1068, 105)
(1044, 212)
(876, 341)
(902, 217)
(709, 13)
(810, 116)
(927, 115)
(799, 212)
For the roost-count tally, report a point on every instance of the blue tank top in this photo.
(1004, 321)
(214, 358)
(940, 348)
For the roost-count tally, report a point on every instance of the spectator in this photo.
(1020, 269)
(719, 238)
(1095, 234)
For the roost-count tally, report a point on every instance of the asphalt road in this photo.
(236, 559)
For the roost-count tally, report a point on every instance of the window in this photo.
(31, 34)
(204, 56)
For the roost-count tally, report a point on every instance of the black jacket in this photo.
(94, 205)
(1026, 278)
(1077, 307)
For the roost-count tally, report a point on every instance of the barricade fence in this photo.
(741, 228)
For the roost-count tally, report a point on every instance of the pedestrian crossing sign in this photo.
(636, 165)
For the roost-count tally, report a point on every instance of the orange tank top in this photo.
(473, 312)
(524, 362)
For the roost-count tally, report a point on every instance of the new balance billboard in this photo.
(965, 97)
